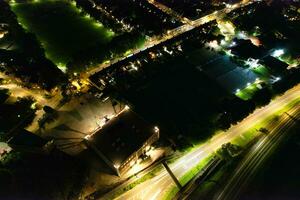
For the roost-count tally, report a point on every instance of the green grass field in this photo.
(61, 29)
(248, 92)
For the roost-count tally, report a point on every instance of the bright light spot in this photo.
(148, 148)
(226, 27)
(242, 35)
(278, 52)
(126, 107)
(237, 90)
(116, 166)
(134, 67)
(87, 137)
(229, 53)
(62, 67)
(248, 84)
(33, 106)
(1, 35)
(232, 44)
(228, 6)
(253, 63)
(76, 84)
(136, 167)
(132, 163)
(255, 41)
(213, 44)
(156, 129)
(223, 42)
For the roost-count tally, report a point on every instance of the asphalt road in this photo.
(156, 188)
(170, 12)
(255, 158)
(171, 34)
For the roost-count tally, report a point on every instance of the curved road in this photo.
(257, 155)
(156, 188)
(171, 34)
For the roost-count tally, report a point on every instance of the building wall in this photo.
(134, 157)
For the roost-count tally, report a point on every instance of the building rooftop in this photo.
(229, 75)
(121, 136)
(246, 49)
(27, 139)
(275, 65)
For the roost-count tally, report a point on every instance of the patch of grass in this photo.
(195, 170)
(187, 177)
(245, 138)
(61, 28)
(171, 193)
(252, 132)
(209, 184)
(144, 178)
(262, 71)
(248, 92)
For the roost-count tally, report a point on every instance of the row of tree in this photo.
(27, 61)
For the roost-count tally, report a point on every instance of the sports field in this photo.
(61, 28)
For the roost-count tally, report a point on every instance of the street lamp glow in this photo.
(253, 63)
(278, 52)
(116, 166)
(241, 35)
(214, 44)
(87, 137)
(223, 42)
(232, 44)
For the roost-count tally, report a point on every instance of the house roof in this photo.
(121, 136)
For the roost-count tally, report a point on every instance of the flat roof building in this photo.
(275, 65)
(122, 140)
(246, 49)
(27, 141)
(229, 75)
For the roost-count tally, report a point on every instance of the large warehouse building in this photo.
(122, 140)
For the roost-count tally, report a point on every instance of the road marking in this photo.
(155, 195)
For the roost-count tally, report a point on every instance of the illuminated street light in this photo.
(132, 163)
(87, 137)
(232, 44)
(213, 44)
(242, 35)
(134, 67)
(116, 166)
(278, 53)
(253, 63)
(223, 42)
(229, 52)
